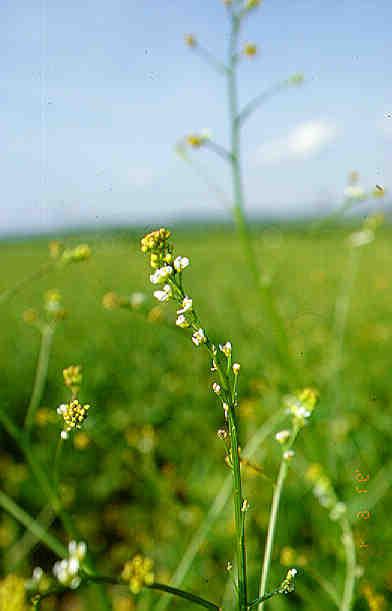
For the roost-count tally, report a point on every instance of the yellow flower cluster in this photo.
(301, 405)
(289, 556)
(12, 594)
(53, 305)
(138, 572)
(74, 414)
(73, 377)
(155, 241)
(375, 601)
(77, 254)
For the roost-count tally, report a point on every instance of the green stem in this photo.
(216, 508)
(202, 602)
(40, 375)
(8, 293)
(32, 525)
(269, 306)
(272, 528)
(351, 565)
(239, 515)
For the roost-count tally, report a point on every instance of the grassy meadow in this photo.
(145, 469)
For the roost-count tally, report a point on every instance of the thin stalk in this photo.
(216, 508)
(351, 566)
(32, 525)
(8, 293)
(239, 515)
(202, 602)
(28, 540)
(269, 306)
(40, 375)
(272, 528)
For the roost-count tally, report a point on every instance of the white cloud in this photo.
(302, 142)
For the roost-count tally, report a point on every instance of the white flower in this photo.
(288, 455)
(216, 388)
(186, 305)
(236, 368)
(66, 571)
(361, 238)
(282, 436)
(161, 275)
(354, 192)
(199, 337)
(77, 550)
(180, 263)
(182, 321)
(62, 409)
(37, 574)
(245, 505)
(165, 294)
(64, 435)
(226, 349)
(137, 299)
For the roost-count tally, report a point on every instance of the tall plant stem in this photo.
(272, 528)
(32, 525)
(8, 293)
(216, 508)
(351, 565)
(268, 303)
(40, 375)
(239, 515)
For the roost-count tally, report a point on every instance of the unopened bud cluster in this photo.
(138, 573)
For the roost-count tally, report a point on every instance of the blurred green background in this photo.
(147, 465)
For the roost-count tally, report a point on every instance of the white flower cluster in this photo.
(67, 571)
(186, 306)
(361, 238)
(199, 337)
(282, 436)
(161, 275)
(164, 294)
(288, 584)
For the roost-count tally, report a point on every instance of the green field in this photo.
(145, 473)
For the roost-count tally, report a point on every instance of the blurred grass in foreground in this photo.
(131, 479)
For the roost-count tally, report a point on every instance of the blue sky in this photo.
(95, 95)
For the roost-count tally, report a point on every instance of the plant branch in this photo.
(40, 375)
(258, 100)
(32, 525)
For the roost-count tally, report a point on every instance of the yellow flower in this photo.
(250, 49)
(138, 572)
(74, 414)
(77, 254)
(55, 249)
(81, 441)
(110, 301)
(250, 4)
(190, 40)
(375, 601)
(195, 140)
(296, 79)
(53, 305)
(12, 594)
(30, 316)
(73, 377)
(156, 240)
